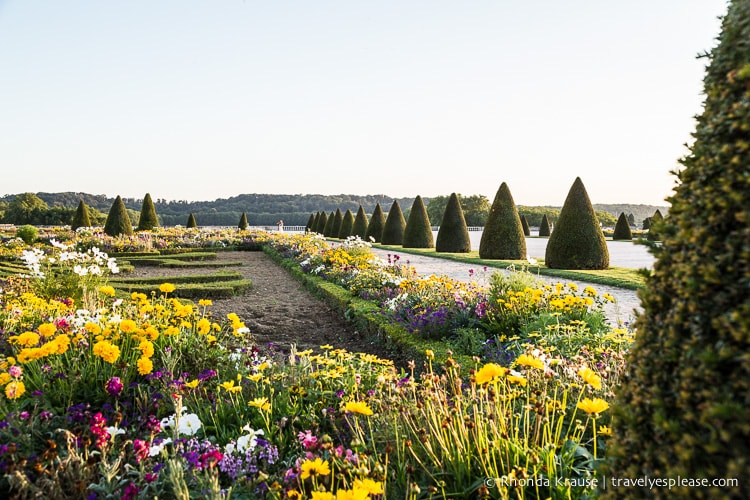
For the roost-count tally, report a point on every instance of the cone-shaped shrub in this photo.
(544, 226)
(647, 223)
(503, 237)
(81, 218)
(243, 222)
(376, 225)
(453, 235)
(118, 221)
(316, 223)
(148, 219)
(393, 232)
(191, 222)
(346, 225)
(310, 223)
(418, 231)
(683, 407)
(360, 223)
(622, 229)
(328, 228)
(653, 228)
(525, 226)
(338, 219)
(322, 222)
(577, 241)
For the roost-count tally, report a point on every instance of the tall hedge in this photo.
(347, 223)
(418, 230)
(453, 235)
(81, 218)
(654, 223)
(338, 218)
(360, 223)
(191, 222)
(577, 241)
(503, 237)
(622, 228)
(544, 228)
(316, 223)
(376, 225)
(525, 226)
(683, 407)
(310, 223)
(393, 231)
(328, 228)
(242, 224)
(118, 222)
(322, 223)
(148, 219)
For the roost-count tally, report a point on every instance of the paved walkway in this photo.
(623, 309)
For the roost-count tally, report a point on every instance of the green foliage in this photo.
(191, 222)
(27, 233)
(322, 223)
(118, 221)
(346, 225)
(338, 219)
(393, 232)
(683, 409)
(525, 226)
(360, 223)
(242, 224)
(453, 236)
(577, 241)
(148, 219)
(475, 208)
(310, 223)
(376, 225)
(653, 229)
(534, 215)
(631, 219)
(328, 228)
(25, 209)
(81, 217)
(418, 231)
(544, 229)
(503, 237)
(647, 223)
(622, 229)
(316, 223)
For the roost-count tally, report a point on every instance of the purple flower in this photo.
(114, 386)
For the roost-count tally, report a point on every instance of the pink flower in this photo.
(140, 448)
(308, 441)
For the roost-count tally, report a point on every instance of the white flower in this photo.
(114, 431)
(156, 449)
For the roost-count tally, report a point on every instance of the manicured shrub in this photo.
(346, 225)
(418, 230)
(393, 232)
(118, 221)
(191, 222)
(453, 235)
(310, 223)
(148, 219)
(631, 219)
(338, 219)
(653, 229)
(328, 229)
(322, 223)
(503, 233)
(243, 222)
(316, 223)
(360, 223)
(525, 226)
(647, 223)
(376, 225)
(683, 408)
(577, 241)
(27, 233)
(81, 218)
(622, 229)
(544, 226)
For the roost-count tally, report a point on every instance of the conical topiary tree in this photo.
(503, 237)
(393, 231)
(418, 230)
(316, 223)
(322, 222)
(647, 223)
(328, 228)
(577, 241)
(148, 219)
(622, 229)
(310, 223)
(338, 219)
(683, 407)
(376, 225)
(544, 226)
(243, 222)
(191, 222)
(118, 221)
(653, 227)
(81, 218)
(346, 225)
(525, 226)
(360, 223)
(453, 235)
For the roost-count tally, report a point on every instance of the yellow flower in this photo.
(230, 387)
(128, 326)
(147, 348)
(489, 373)
(107, 290)
(192, 384)
(107, 351)
(15, 389)
(596, 406)
(166, 288)
(605, 430)
(47, 329)
(261, 403)
(322, 495)
(93, 328)
(204, 326)
(590, 377)
(314, 468)
(26, 339)
(429, 353)
(205, 302)
(145, 366)
(172, 330)
(372, 487)
(355, 494)
(326, 347)
(358, 407)
(531, 361)
(515, 379)
(4, 378)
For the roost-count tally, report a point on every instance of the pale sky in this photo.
(198, 100)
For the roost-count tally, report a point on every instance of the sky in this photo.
(199, 100)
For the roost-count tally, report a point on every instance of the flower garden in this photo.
(110, 394)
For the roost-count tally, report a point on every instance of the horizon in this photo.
(209, 101)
